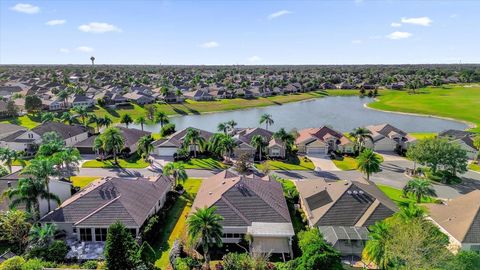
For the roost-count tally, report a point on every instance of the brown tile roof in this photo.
(321, 134)
(460, 217)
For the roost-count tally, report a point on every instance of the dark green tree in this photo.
(121, 250)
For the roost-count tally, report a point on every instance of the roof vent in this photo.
(223, 183)
(355, 192)
(9, 184)
(360, 192)
(349, 192)
(210, 193)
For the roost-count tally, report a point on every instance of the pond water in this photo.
(341, 113)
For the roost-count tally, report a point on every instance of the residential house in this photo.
(199, 95)
(87, 215)
(388, 138)
(459, 219)
(131, 136)
(169, 147)
(138, 98)
(71, 134)
(321, 141)
(249, 205)
(462, 138)
(348, 240)
(275, 148)
(80, 100)
(58, 187)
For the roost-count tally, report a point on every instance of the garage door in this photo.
(166, 151)
(316, 151)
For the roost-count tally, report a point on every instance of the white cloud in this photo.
(399, 35)
(254, 59)
(55, 22)
(395, 24)
(85, 49)
(98, 27)
(26, 8)
(210, 45)
(278, 14)
(64, 50)
(357, 41)
(423, 21)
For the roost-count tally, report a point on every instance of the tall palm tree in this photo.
(259, 143)
(106, 121)
(369, 162)
(145, 146)
(67, 160)
(175, 170)
(93, 60)
(93, 119)
(361, 135)
(141, 121)
(126, 119)
(287, 138)
(375, 250)
(41, 169)
(113, 142)
(222, 127)
(67, 118)
(267, 119)
(28, 192)
(63, 95)
(410, 212)
(204, 229)
(193, 138)
(8, 156)
(83, 112)
(420, 188)
(162, 118)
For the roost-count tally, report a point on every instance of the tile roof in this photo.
(109, 199)
(322, 134)
(65, 131)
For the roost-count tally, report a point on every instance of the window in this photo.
(86, 234)
(100, 234)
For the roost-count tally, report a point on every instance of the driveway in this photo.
(323, 163)
(391, 156)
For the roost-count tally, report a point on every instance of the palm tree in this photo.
(360, 136)
(161, 118)
(420, 188)
(145, 146)
(47, 117)
(204, 229)
(28, 192)
(369, 162)
(113, 142)
(375, 249)
(93, 60)
(410, 211)
(63, 95)
(126, 119)
(193, 138)
(41, 169)
(259, 143)
(222, 127)
(98, 146)
(221, 144)
(68, 118)
(267, 119)
(42, 236)
(175, 170)
(141, 121)
(82, 111)
(68, 160)
(106, 121)
(287, 138)
(231, 124)
(93, 119)
(8, 156)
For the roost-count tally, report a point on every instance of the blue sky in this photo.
(239, 32)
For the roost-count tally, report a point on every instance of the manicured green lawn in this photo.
(396, 195)
(131, 163)
(474, 167)
(347, 164)
(28, 121)
(291, 164)
(175, 221)
(423, 135)
(204, 163)
(454, 101)
(82, 181)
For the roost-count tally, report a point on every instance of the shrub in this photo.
(56, 252)
(179, 187)
(33, 264)
(187, 263)
(14, 263)
(90, 265)
(237, 261)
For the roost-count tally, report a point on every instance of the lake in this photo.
(341, 113)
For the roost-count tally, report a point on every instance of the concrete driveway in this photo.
(323, 163)
(391, 156)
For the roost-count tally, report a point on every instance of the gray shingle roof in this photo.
(65, 131)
